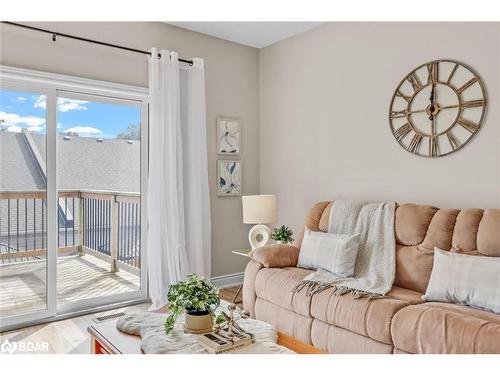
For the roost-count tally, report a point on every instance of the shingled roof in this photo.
(84, 163)
(18, 168)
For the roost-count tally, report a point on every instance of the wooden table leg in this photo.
(96, 347)
(237, 294)
(297, 346)
(93, 345)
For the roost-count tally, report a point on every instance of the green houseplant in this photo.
(282, 235)
(198, 298)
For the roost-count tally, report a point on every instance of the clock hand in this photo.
(431, 116)
(404, 113)
(450, 106)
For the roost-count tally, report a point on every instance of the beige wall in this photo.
(324, 130)
(323, 98)
(231, 90)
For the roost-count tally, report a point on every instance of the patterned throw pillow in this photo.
(466, 280)
(335, 253)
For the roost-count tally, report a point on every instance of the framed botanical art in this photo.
(228, 177)
(228, 136)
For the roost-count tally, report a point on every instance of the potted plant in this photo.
(282, 235)
(197, 298)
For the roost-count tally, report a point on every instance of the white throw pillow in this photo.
(335, 253)
(465, 279)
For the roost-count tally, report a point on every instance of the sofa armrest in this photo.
(276, 255)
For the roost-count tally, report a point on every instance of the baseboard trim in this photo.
(229, 280)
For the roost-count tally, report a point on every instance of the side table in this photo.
(243, 253)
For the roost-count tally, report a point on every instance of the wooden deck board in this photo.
(22, 285)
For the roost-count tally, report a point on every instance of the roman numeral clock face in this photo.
(437, 108)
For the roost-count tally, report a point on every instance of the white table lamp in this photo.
(260, 210)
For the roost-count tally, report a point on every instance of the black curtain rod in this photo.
(56, 34)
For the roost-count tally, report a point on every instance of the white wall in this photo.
(231, 72)
(324, 129)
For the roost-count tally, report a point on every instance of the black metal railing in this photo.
(107, 223)
(129, 233)
(68, 219)
(102, 211)
(97, 225)
(22, 222)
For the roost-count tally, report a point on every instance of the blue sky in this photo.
(91, 119)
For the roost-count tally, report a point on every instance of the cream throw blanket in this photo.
(376, 261)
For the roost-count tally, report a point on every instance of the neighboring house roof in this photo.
(18, 168)
(84, 164)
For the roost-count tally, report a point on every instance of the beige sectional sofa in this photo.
(399, 323)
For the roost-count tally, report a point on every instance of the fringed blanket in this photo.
(376, 261)
(150, 326)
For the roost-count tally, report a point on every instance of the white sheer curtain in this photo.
(195, 177)
(178, 198)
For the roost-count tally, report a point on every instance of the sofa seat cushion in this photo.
(285, 321)
(337, 340)
(276, 285)
(370, 318)
(437, 327)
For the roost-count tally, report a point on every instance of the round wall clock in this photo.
(437, 108)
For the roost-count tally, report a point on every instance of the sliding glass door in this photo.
(73, 162)
(99, 199)
(25, 257)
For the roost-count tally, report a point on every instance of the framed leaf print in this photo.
(228, 136)
(228, 177)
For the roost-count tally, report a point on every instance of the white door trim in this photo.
(52, 201)
(72, 83)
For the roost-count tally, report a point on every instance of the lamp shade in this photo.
(259, 209)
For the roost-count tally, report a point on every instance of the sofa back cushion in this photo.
(420, 228)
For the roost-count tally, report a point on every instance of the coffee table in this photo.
(107, 339)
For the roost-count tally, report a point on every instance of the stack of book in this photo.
(216, 343)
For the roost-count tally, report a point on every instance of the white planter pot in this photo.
(198, 322)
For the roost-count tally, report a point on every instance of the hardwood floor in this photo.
(228, 294)
(70, 336)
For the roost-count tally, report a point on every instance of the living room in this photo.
(314, 182)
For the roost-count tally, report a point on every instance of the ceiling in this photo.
(253, 34)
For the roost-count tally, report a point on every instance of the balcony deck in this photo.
(22, 285)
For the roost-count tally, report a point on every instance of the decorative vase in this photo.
(279, 242)
(198, 321)
(259, 236)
